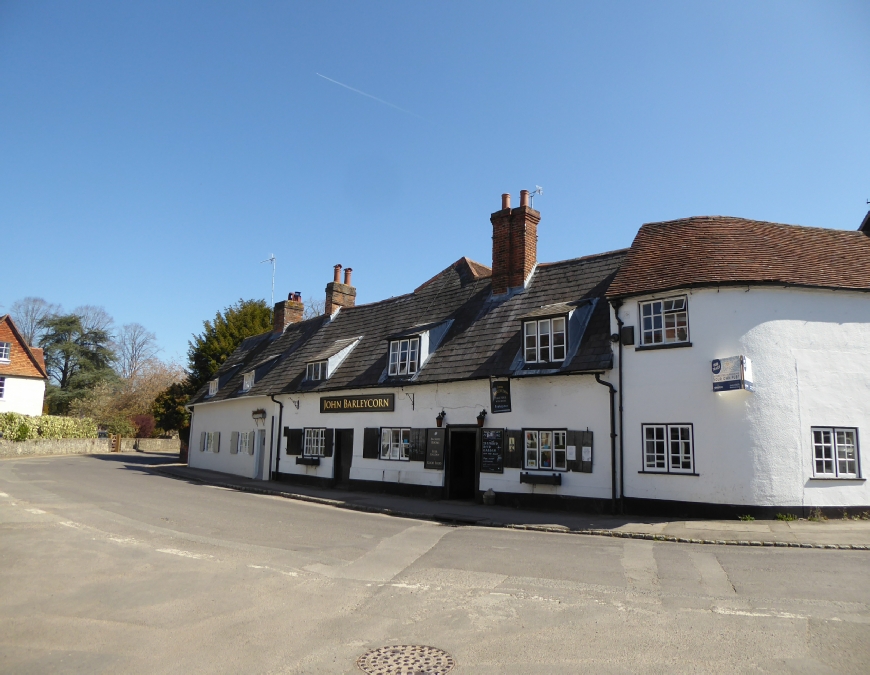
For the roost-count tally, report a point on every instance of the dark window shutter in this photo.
(513, 460)
(202, 442)
(586, 439)
(371, 443)
(294, 441)
(575, 438)
(234, 442)
(251, 439)
(217, 441)
(328, 436)
(418, 445)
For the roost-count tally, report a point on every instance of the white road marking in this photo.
(36, 511)
(266, 567)
(3, 494)
(738, 612)
(183, 554)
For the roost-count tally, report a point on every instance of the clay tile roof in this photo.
(713, 250)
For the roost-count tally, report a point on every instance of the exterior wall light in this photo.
(481, 417)
(439, 420)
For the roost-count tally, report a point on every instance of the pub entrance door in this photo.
(461, 452)
(342, 457)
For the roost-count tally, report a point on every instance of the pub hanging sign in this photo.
(364, 403)
(500, 394)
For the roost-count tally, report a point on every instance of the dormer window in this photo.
(247, 381)
(317, 371)
(212, 387)
(404, 356)
(544, 340)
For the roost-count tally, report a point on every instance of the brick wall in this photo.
(20, 363)
(514, 247)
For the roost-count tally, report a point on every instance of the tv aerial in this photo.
(537, 191)
(272, 260)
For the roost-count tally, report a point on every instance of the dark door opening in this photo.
(342, 457)
(460, 464)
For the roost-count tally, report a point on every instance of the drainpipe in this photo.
(616, 304)
(612, 443)
(280, 421)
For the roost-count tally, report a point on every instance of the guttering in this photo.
(612, 443)
(280, 422)
(616, 304)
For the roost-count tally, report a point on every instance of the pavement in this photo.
(831, 534)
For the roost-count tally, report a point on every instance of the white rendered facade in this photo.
(22, 395)
(810, 356)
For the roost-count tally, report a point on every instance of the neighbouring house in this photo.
(717, 366)
(22, 372)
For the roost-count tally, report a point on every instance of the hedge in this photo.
(17, 427)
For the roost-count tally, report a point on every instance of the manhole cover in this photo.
(406, 660)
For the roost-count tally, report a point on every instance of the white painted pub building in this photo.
(719, 366)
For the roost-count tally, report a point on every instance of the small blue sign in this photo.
(717, 366)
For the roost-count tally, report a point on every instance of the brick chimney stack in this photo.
(514, 243)
(287, 311)
(339, 294)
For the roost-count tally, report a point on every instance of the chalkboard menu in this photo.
(500, 395)
(492, 451)
(434, 449)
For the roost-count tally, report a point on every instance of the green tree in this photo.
(77, 359)
(210, 349)
(169, 409)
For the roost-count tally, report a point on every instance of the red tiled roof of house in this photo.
(714, 250)
(25, 361)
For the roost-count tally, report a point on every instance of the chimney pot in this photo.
(505, 201)
(337, 270)
(347, 271)
(524, 197)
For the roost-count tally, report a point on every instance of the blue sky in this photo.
(153, 153)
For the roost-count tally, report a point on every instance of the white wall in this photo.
(23, 395)
(810, 353)
(573, 402)
(227, 417)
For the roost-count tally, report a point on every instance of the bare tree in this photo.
(135, 347)
(313, 308)
(95, 318)
(30, 314)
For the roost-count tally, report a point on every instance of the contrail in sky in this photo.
(379, 100)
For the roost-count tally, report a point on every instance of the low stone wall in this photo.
(66, 446)
(171, 445)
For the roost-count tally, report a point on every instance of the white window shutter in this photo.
(234, 442)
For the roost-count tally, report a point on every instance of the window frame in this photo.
(410, 364)
(242, 445)
(213, 387)
(317, 434)
(248, 381)
(535, 347)
(663, 328)
(2, 387)
(554, 449)
(401, 445)
(667, 454)
(321, 368)
(835, 459)
(6, 347)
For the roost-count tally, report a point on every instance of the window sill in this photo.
(541, 479)
(308, 461)
(838, 480)
(672, 345)
(668, 473)
(400, 459)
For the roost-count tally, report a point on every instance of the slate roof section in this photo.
(483, 340)
(719, 250)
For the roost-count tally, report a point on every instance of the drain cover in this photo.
(406, 660)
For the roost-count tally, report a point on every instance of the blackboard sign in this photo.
(500, 395)
(492, 451)
(434, 449)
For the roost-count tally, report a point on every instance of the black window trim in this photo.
(539, 430)
(667, 471)
(305, 452)
(380, 444)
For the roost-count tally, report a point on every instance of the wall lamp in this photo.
(439, 420)
(481, 417)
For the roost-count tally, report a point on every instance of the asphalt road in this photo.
(106, 566)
